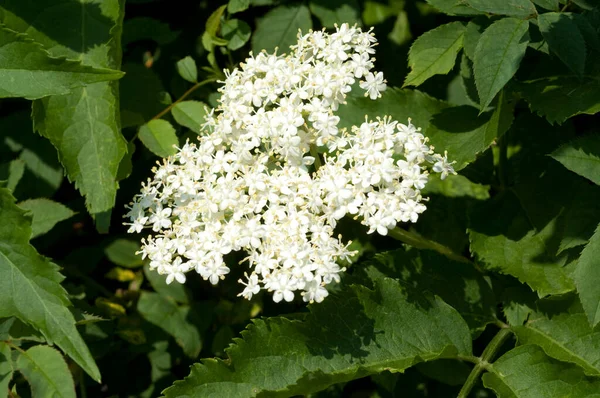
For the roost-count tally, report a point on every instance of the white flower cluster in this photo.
(256, 181)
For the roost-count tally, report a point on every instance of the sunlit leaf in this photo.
(159, 137)
(498, 55)
(47, 372)
(279, 27)
(434, 52)
(350, 335)
(32, 287)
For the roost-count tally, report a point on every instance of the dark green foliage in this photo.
(495, 291)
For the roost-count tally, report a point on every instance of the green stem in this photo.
(82, 389)
(184, 96)
(484, 361)
(420, 242)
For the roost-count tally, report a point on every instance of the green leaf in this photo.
(84, 125)
(458, 284)
(340, 339)
(144, 28)
(454, 7)
(159, 137)
(126, 165)
(559, 97)
(526, 372)
(513, 8)
(464, 134)
(498, 55)
(122, 252)
(375, 13)
(234, 6)
(581, 156)
(468, 80)
(213, 23)
(566, 337)
(434, 52)
(473, 32)
(511, 245)
(31, 286)
(459, 130)
(400, 33)
(46, 214)
(551, 5)
(279, 28)
(236, 32)
(175, 291)
(187, 69)
(43, 173)
(23, 61)
(173, 319)
(190, 114)
(47, 372)
(6, 367)
(587, 278)
(564, 39)
(331, 12)
(14, 172)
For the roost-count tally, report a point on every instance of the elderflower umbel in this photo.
(253, 182)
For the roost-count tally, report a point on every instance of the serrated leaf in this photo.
(468, 80)
(47, 372)
(551, 5)
(331, 12)
(340, 339)
(279, 28)
(566, 337)
(159, 137)
(234, 6)
(464, 134)
(6, 368)
(187, 69)
(236, 32)
(511, 245)
(173, 319)
(498, 55)
(175, 291)
(581, 156)
(557, 98)
(84, 125)
(473, 32)
(526, 372)
(458, 284)
(31, 286)
(122, 252)
(190, 114)
(434, 52)
(512, 8)
(564, 39)
(454, 7)
(587, 278)
(46, 214)
(23, 61)
(589, 32)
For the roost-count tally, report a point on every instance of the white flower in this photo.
(374, 85)
(264, 177)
